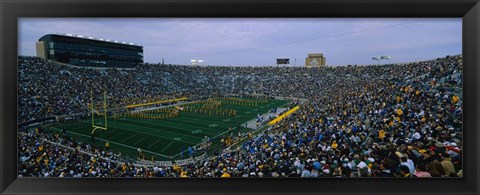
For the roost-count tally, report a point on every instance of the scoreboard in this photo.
(283, 61)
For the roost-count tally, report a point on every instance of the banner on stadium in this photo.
(36, 122)
(288, 113)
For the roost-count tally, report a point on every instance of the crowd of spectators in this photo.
(401, 120)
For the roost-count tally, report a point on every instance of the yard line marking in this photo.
(140, 140)
(168, 146)
(117, 135)
(153, 143)
(129, 137)
(155, 135)
(126, 123)
(127, 146)
(169, 138)
(174, 126)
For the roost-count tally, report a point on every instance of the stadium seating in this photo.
(359, 121)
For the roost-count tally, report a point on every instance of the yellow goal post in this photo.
(95, 127)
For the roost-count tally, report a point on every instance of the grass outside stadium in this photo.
(165, 132)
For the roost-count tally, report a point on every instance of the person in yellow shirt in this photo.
(399, 112)
(455, 99)
(38, 159)
(176, 167)
(391, 123)
(107, 146)
(334, 145)
(381, 134)
(225, 173)
(265, 146)
(183, 174)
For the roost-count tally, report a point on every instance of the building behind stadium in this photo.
(315, 60)
(88, 51)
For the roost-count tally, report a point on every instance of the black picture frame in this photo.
(11, 10)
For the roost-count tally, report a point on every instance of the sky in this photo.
(260, 41)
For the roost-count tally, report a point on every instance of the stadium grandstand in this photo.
(398, 120)
(89, 51)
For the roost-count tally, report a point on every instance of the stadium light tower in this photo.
(194, 62)
(386, 58)
(200, 62)
(376, 59)
(381, 58)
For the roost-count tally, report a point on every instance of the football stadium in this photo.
(91, 107)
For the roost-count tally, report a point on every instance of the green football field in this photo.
(165, 138)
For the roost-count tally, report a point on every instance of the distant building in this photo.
(88, 51)
(315, 60)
